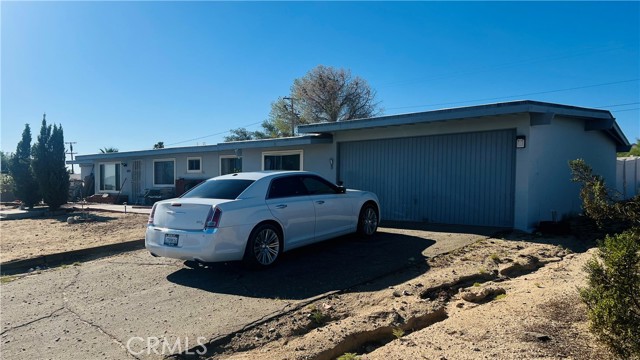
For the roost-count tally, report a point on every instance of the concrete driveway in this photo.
(126, 306)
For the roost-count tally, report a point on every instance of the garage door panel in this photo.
(457, 179)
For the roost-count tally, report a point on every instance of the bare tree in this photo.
(324, 94)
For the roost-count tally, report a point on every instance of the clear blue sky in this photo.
(130, 74)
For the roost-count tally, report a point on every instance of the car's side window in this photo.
(318, 186)
(286, 187)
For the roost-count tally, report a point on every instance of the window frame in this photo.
(118, 186)
(174, 172)
(189, 158)
(226, 157)
(284, 153)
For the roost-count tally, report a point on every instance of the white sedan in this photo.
(255, 216)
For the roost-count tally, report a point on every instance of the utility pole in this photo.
(293, 116)
(71, 153)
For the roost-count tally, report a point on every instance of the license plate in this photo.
(171, 239)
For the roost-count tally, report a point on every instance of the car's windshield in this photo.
(219, 189)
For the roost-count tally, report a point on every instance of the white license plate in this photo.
(171, 239)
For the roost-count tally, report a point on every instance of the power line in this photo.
(626, 110)
(462, 102)
(517, 96)
(616, 105)
(206, 136)
(503, 65)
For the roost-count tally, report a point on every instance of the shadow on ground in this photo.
(443, 228)
(314, 270)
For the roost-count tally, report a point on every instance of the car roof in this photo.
(257, 175)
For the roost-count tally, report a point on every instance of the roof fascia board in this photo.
(141, 153)
(598, 124)
(407, 119)
(278, 142)
(457, 113)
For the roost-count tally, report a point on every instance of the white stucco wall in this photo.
(550, 149)
(315, 158)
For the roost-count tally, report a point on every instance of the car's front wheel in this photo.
(263, 247)
(368, 220)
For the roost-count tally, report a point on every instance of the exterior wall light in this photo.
(331, 163)
(521, 141)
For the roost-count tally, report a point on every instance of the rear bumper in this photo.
(213, 245)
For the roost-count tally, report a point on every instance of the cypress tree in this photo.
(58, 184)
(25, 185)
(49, 165)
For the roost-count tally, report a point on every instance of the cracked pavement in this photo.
(92, 310)
(104, 308)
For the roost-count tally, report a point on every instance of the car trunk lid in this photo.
(182, 214)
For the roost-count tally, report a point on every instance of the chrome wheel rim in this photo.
(266, 247)
(370, 221)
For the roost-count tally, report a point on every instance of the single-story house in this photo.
(503, 164)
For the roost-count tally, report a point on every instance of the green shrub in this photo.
(397, 332)
(349, 356)
(317, 316)
(601, 204)
(613, 293)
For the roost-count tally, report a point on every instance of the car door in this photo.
(289, 203)
(334, 210)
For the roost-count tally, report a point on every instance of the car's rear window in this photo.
(219, 189)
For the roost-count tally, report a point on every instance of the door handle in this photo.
(281, 206)
(320, 202)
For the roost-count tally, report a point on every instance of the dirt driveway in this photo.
(27, 238)
(402, 295)
(94, 309)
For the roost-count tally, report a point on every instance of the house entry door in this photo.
(136, 182)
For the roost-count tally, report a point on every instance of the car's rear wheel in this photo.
(264, 246)
(368, 220)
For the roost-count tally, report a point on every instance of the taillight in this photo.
(153, 212)
(213, 219)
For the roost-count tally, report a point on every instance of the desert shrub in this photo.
(349, 356)
(397, 333)
(612, 294)
(602, 204)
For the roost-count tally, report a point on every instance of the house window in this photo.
(230, 165)
(282, 160)
(164, 172)
(110, 177)
(194, 164)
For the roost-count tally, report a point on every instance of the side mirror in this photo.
(342, 189)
